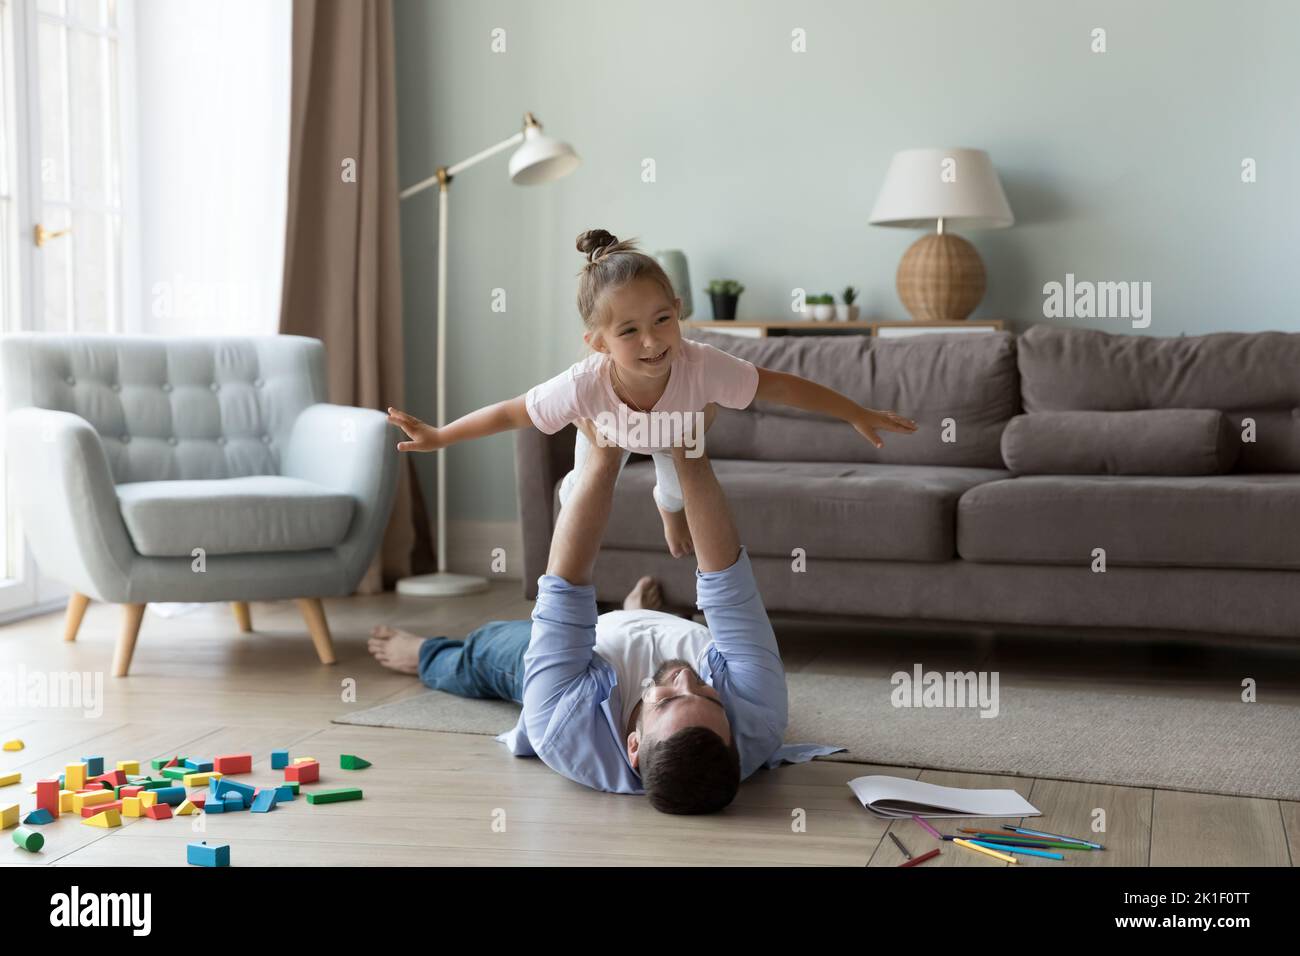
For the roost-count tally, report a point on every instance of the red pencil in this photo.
(922, 858)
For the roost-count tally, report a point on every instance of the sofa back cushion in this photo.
(1246, 375)
(172, 407)
(1156, 441)
(969, 378)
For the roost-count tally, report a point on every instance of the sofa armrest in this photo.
(541, 460)
(352, 450)
(68, 503)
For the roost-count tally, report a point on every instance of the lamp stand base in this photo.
(442, 584)
(941, 278)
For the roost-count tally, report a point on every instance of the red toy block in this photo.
(307, 772)
(233, 763)
(114, 778)
(130, 792)
(101, 807)
(159, 811)
(198, 798)
(47, 795)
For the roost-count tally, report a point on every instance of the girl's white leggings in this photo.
(667, 490)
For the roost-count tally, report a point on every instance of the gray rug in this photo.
(1170, 743)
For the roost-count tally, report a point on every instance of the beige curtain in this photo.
(342, 262)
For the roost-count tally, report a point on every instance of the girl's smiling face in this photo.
(640, 331)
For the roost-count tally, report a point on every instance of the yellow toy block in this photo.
(8, 816)
(12, 745)
(131, 807)
(74, 776)
(65, 801)
(129, 766)
(109, 818)
(303, 759)
(91, 798)
(147, 798)
(186, 808)
(8, 779)
(200, 779)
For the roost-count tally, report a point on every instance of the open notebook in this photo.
(899, 797)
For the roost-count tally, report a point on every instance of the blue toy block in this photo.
(39, 816)
(174, 796)
(264, 801)
(283, 794)
(200, 854)
(233, 801)
(221, 786)
(279, 759)
(94, 766)
(214, 806)
(197, 765)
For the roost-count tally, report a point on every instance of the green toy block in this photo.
(29, 840)
(292, 785)
(353, 762)
(334, 796)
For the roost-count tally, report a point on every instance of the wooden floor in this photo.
(199, 687)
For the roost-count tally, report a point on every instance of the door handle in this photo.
(43, 235)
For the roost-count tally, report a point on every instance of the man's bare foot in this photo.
(396, 649)
(676, 532)
(646, 595)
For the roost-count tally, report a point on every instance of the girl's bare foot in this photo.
(645, 595)
(676, 532)
(396, 649)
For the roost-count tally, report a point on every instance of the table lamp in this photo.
(539, 159)
(941, 277)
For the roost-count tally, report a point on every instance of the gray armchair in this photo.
(150, 468)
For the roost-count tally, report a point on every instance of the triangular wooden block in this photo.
(353, 762)
(107, 819)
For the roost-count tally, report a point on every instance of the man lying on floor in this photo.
(638, 700)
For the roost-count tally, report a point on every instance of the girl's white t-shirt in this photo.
(700, 374)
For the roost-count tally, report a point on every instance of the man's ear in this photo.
(633, 747)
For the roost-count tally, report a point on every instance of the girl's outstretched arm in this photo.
(501, 417)
(786, 389)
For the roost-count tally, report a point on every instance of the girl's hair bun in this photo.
(594, 242)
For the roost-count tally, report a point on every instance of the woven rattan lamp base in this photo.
(941, 278)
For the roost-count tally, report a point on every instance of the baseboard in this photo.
(471, 547)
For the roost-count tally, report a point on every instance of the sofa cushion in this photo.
(1155, 441)
(1246, 375)
(233, 515)
(967, 379)
(1214, 521)
(830, 509)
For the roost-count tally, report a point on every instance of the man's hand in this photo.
(424, 437)
(868, 421)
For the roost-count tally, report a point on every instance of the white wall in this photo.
(212, 147)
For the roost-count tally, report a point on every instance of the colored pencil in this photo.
(985, 850)
(899, 843)
(1028, 851)
(1095, 846)
(932, 830)
(922, 858)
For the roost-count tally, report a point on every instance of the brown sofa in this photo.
(966, 521)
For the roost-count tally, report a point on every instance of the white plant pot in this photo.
(846, 313)
(823, 313)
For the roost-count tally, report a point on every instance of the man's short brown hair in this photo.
(693, 771)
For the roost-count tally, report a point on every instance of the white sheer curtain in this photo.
(212, 152)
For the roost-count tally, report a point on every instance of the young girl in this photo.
(640, 366)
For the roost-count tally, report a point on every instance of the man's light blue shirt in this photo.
(570, 722)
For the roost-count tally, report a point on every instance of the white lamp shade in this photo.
(959, 186)
(541, 159)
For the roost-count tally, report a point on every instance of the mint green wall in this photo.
(1119, 166)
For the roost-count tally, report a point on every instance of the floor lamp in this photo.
(539, 159)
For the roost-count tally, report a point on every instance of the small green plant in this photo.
(850, 294)
(725, 287)
(824, 299)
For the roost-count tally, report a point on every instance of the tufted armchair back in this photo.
(170, 408)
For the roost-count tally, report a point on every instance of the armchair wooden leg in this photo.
(313, 612)
(134, 614)
(242, 615)
(77, 605)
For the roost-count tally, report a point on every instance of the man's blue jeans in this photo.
(489, 662)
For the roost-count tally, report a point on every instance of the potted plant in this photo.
(823, 306)
(725, 293)
(848, 312)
